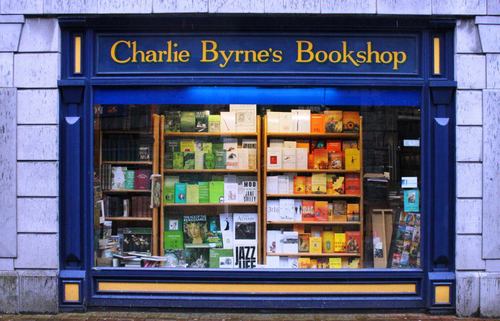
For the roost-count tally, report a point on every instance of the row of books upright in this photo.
(124, 178)
(126, 148)
(220, 189)
(116, 117)
(239, 118)
(320, 183)
(303, 121)
(295, 210)
(134, 206)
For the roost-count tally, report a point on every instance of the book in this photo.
(230, 146)
(272, 184)
(187, 145)
(339, 242)
(304, 262)
(301, 120)
(214, 123)
(141, 179)
(335, 160)
(317, 123)
(245, 240)
(321, 211)
(301, 158)
(290, 241)
(411, 200)
(285, 122)
(135, 239)
(334, 263)
(195, 230)
(286, 209)
(216, 191)
(173, 234)
(307, 211)
(203, 192)
(227, 122)
(171, 146)
(230, 189)
(284, 184)
(209, 160)
(304, 242)
(273, 121)
(315, 245)
(250, 145)
(297, 216)
(308, 185)
(173, 121)
(221, 258)
(214, 234)
(299, 185)
(180, 192)
(351, 121)
(178, 160)
(349, 144)
(333, 121)
(334, 146)
(192, 194)
(118, 177)
(201, 121)
(220, 159)
(188, 121)
(246, 117)
(337, 184)
(328, 238)
(353, 212)
(274, 158)
(274, 244)
(226, 226)
(320, 158)
(352, 159)
(243, 158)
(289, 160)
(318, 183)
(129, 179)
(247, 189)
(353, 241)
(273, 210)
(189, 160)
(339, 211)
(352, 184)
(196, 258)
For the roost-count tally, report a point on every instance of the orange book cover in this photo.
(351, 121)
(352, 184)
(308, 185)
(307, 211)
(318, 123)
(310, 161)
(299, 185)
(304, 262)
(333, 121)
(303, 144)
(334, 145)
(353, 212)
(321, 211)
(320, 158)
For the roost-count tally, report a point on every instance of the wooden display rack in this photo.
(265, 196)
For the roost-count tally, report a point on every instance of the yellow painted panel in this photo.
(71, 292)
(437, 56)
(78, 55)
(442, 294)
(147, 287)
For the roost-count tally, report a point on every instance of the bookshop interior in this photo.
(242, 186)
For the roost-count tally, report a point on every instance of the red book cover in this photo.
(320, 210)
(134, 204)
(352, 184)
(307, 211)
(308, 189)
(320, 159)
(334, 145)
(141, 180)
(353, 241)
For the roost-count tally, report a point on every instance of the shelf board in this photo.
(201, 171)
(311, 171)
(206, 134)
(126, 132)
(313, 135)
(311, 223)
(312, 196)
(129, 219)
(127, 191)
(317, 255)
(208, 204)
(128, 162)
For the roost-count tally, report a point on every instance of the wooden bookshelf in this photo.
(329, 196)
(206, 134)
(312, 171)
(209, 204)
(128, 219)
(120, 191)
(314, 135)
(126, 132)
(343, 254)
(329, 223)
(128, 162)
(210, 171)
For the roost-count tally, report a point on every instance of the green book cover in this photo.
(206, 147)
(217, 146)
(220, 159)
(201, 118)
(214, 123)
(199, 160)
(171, 146)
(169, 188)
(214, 235)
(188, 160)
(174, 233)
(178, 161)
(209, 161)
(216, 191)
(193, 195)
(180, 192)
(129, 179)
(203, 194)
(188, 121)
(187, 145)
(221, 258)
(172, 121)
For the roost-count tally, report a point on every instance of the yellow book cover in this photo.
(328, 241)
(187, 145)
(304, 262)
(353, 263)
(335, 185)
(339, 242)
(299, 185)
(335, 263)
(318, 183)
(315, 245)
(314, 264)
(352, 159)
(333, 121)
(192, 194)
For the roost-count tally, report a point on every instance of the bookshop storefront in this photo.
(243, 163)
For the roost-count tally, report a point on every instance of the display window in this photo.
(255, 186)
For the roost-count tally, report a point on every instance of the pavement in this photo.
(209, 316)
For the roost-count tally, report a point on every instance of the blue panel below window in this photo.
(258, 95)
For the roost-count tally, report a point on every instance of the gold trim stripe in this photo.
(149, 287)
(437, 56)
(71, 292)
(442, 294)
(78, 55)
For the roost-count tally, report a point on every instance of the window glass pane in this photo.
(257, 186)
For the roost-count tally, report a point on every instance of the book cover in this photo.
(245, 240)
(189, 160)
(209, 160)
(230, 146)
(289, 158)
(206, 147)
(315, 245)
(230, 189)
(178, 160)
(246, 117)
(411, 200)
(304, 262)
(197, 258)
(220, 159)
(321, 211)
(195, 230)
(273, 121)
(290, 241)
(318, 183)
(273, 240)
(351, 121)
(297, 216)
(352, 159)
(243, 158)
(247, 189)
(339, 242)
(308, 211)
(301, 158)
(187, 145)
(318, 123)
(173, 121)
(273, 210)
(227, 122)
(352, 184)
(339, 211)
(180, 192)
(129, 179)
(272, 185)
(328, 238)
(155, 199)
(118, 177)
(335, 160)
(274, 158)
(226, 226)
(308, 185)
(353, 212)
(333, 121)
(304, 242)
(214, 123)
(299, 185)
(174, 233)
(320, 158)
(216, 191)
(334, 146)
(171, 146)
(169, 188)
(353, 241)
(214, 234)
(349, 144)
(287, 209)
(284, 184)
(337, 184)
(285, 122)
(141, 179)
(334, 263)
(188, 121)
(136, 239)
(221, 258)
(201, 121)
(192, 194)
(203, 192)
(301, 120)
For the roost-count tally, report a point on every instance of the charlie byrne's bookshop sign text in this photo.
(182, 54)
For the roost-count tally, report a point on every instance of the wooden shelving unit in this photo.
(206, 134)
(129, 219)
(128, 162)
(209, 171)
(209, 204)
(358, 198)
(124, 191)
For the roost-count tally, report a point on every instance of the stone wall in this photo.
(29, 69)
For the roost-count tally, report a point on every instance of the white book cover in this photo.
(251, 146)
(273, 121)
(301, 120)
(293, 262)
(274, 158)
(283, 262)
(289, 160)
(272, 185)
(118, 181)
(290, 182)
(287, 209)
(285, 122)
(274, 241)
(278, 143)
(283, 184)
(290, 242)
(290, 144)
(230, 145)
(227, 122)
(247, 189)
(272, 262)
(245, 240)
(297, 210)
(249, 143)
(301, 158)
(273, 210)
(243, 160)
(246, 117)
(230, 189)
(226, 227)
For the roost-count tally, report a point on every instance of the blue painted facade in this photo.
(418, 86)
